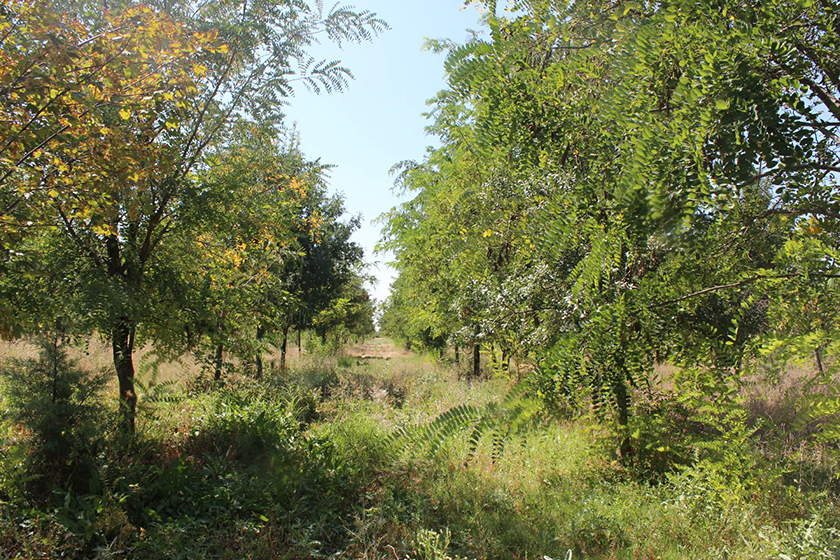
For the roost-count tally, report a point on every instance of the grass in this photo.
(305, 465)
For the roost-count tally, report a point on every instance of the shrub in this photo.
(244, 425)
(54, 412)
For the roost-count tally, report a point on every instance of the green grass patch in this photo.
(306, 465)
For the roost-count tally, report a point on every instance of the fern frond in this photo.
(500, 421)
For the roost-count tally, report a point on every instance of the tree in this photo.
(348, 315)
(241, 235)
(330, 258)
(232, 60)
(655, 172)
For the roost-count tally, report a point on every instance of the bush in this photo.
(54, 417)
(245, 425)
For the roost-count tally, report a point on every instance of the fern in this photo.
(151, 390)
(500, 421)
(160, 393)
(822, 412)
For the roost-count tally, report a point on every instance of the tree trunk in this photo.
(258, 361)
(220, 360)
(476, 365)
(300, 348)
(283, 348)
(818, 358)
(457, 354)
(622, 398)
(122, 342)
(54, 359)
(493, 355)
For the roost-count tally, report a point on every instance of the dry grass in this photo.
(382, 348)
(95, 354)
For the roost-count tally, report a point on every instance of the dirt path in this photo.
(382, 348)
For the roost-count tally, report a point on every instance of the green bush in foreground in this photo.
(54, 417)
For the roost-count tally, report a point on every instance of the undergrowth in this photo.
(306, 464)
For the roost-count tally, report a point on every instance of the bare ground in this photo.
(379, 348)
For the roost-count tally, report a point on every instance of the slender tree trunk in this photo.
(493, 355)
(622, 397)
(300, 348)
(818, 358)
(505, 359)
(283, 348)
(457, 354)
(258, 361)
(476, 360)
(122, 342)
(220, 349)
(55, 368)
(220, 361)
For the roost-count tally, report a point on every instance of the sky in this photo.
(377, 121)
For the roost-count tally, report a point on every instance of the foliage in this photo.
(115, 116)
(55, 408)
(500, 421)
(85, 99)
(624, 184)
(431, 545)
(351, 313)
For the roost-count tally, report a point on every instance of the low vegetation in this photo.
(311, 463)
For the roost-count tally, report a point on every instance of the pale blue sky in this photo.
(378, 121)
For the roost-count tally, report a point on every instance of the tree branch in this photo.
(79, 241)
(739, 284)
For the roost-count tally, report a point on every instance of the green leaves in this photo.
(623, 184)
(498, 421)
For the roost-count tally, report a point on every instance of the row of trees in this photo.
(148, 190)
(625, 183)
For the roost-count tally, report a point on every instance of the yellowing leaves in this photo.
(125, 114)
(297, 187)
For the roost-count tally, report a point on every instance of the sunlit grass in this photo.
(306, 464)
